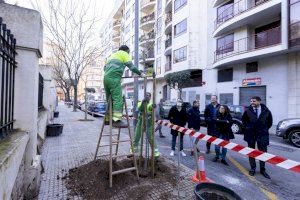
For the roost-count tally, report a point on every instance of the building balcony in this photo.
(168, 7)
(117, 25)
(147, 38)
(147, 57)
(148, 22)
(168, 24)
(218, 2)
(168, 66)
(244, 13)
(294, 35)
(263, 44)
(147, 6)
(168, 46)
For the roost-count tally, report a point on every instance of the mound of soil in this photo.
(91, 181)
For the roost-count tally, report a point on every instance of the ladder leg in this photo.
(131, 143)
(101, 132)
(117, 147)
(110, 142)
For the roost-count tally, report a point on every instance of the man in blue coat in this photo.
(209, 115)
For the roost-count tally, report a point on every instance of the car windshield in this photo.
(101, 105)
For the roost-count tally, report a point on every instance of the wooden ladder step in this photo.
(120, 141)
(123, 171)
(107, 135)
(114, 156)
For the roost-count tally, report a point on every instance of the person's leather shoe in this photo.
(264, 173)
(252, 172)
(119, 124)
(215, 159)
(162, 136)
(224, 162)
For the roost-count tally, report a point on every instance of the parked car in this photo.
(289, 129)
(166, 108)
(129, 104)
(236, 112)
(97, 107)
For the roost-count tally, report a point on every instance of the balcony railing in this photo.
(147, 55)
(260, 40)
(168, 43)
(148, 36)
(116, 35)
(294, 34)
(237, 9)
(148, 18)
(145, 2)
(168, 66)
(168, 18)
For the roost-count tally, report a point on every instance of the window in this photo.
(128, 14)
(158, 66)
(268, 35)
(225, 12)
(133, 23)
(159, 26)
(225, 75)
(127, 29)
(251, 67)
(180, 28)
(178, 4)
(225, 44)
(180, 54)
(158, 47)
(226, 98)
(159, 7)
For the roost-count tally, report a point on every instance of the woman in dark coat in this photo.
(223, 131)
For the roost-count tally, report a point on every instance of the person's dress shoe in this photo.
(264, 173)
(162, 136)
(215, 159)
(224, 162)
(252, 172)
(119, 124)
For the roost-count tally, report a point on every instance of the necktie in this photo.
(256, 112)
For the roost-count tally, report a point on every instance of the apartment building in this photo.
(254, 51)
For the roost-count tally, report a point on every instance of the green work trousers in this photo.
(113, 88)
(138, 132)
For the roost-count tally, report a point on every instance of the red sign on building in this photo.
(252, 82)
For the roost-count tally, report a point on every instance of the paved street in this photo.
(76, 147)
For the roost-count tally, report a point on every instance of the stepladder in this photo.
(113, 143)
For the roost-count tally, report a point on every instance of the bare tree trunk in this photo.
(85, 104)
(75, 98)
(67, 95)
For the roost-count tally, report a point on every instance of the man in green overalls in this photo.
(149, 116)
(113, 71)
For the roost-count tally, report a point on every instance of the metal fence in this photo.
(41, 91)
(7, 79)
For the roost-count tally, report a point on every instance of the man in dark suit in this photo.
(209, 115)
(257, 121)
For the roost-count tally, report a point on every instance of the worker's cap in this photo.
(124, 48)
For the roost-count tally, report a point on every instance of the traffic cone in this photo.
(200, 175)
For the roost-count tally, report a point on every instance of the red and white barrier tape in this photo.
(259, 155)
(130, 118)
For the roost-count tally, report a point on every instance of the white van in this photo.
(129, 104)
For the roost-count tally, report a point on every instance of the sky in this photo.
(105, 6)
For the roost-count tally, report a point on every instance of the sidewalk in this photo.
(75, 147)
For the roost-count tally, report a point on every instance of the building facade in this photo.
(238, 48)
(254, 52)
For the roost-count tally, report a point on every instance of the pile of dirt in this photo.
(91, 181)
